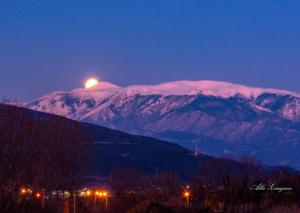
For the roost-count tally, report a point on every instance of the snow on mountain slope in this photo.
(255, 120)
(75, 103)
(82, 103)
(291, 110)
(212, 88)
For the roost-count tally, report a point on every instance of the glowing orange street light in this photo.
(38, 195)
(23, 191)
(187, 196)
(105, 194)
(88, 193)
(97, 194)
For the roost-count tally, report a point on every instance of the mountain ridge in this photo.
(206, 87)
(237, 119)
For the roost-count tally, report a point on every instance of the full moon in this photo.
(91, 83)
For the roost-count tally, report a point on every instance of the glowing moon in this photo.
(91, 83)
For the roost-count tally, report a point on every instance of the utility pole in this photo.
(74, 202)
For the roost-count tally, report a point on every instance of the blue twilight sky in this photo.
(48, 45)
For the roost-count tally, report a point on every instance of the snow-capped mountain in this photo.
(222, 117)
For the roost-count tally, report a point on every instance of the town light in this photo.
(88, 192)
(23, 191)
(38, 195)
(105, 195)
(187, 195)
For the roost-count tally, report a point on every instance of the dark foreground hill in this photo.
(41, 142)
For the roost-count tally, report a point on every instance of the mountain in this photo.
(222, 118)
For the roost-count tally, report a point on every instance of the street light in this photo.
(23, 191)
(187, 195)
(38, 195)
(105, 194)
(88, 193)
(97, 193)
